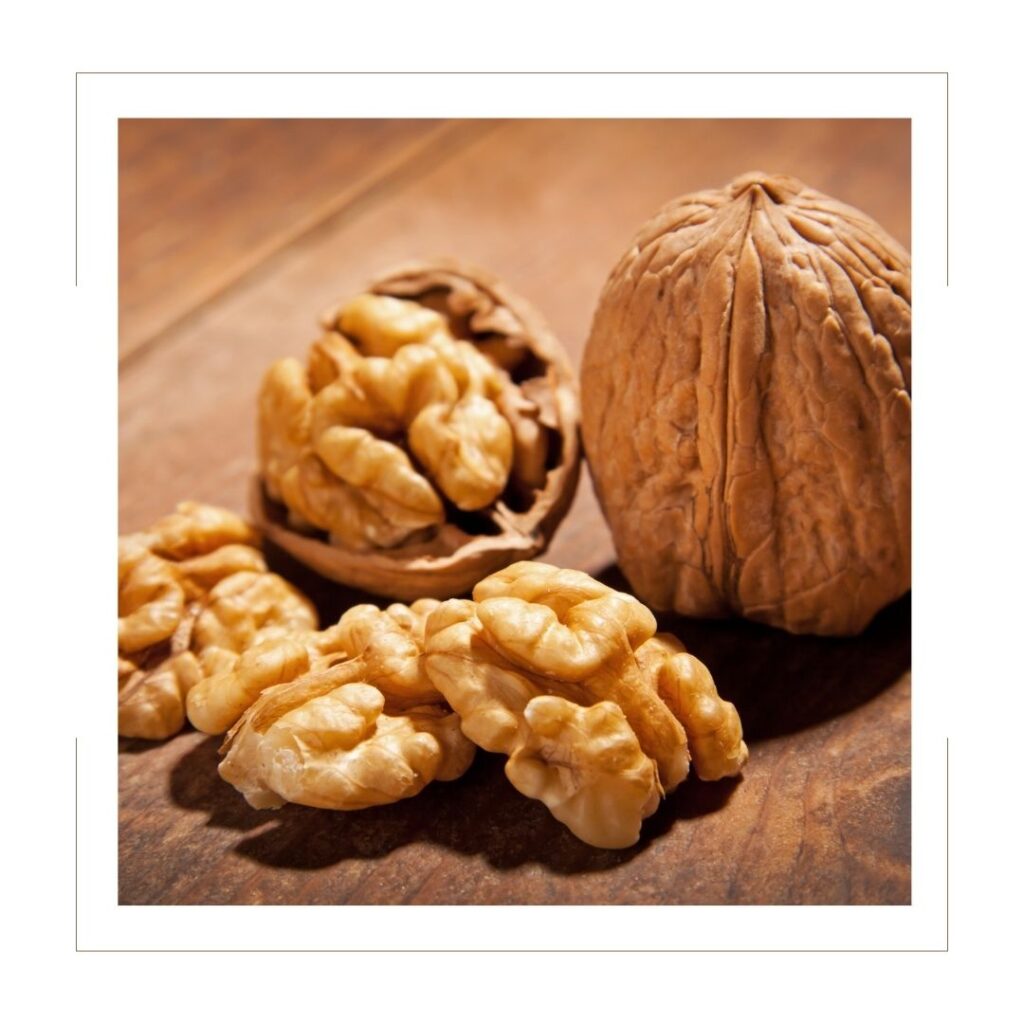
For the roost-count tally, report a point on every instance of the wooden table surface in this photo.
(234, 236)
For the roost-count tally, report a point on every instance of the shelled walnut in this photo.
(598, 716)
(746, 408)
(341, 719)
(430, 439)
(193, 592)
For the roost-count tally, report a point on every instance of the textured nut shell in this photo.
(453, 561)
(746, 411)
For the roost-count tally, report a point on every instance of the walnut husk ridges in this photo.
(746, 408)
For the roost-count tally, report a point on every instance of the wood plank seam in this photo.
(418, 158)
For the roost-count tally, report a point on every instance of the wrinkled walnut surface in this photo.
(193, 593)
(430, 438)
(746, 408)
(342, 719)
(599, 716)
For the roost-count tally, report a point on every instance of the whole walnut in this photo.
(429, 438)
(746, 408)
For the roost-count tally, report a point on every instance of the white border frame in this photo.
(101, 99)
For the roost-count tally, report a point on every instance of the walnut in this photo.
(430, 438)
(246, 609)
(712, 725)
(746, 412)
(284, 649)
(351, 720)
(192, 594)
(599, 716)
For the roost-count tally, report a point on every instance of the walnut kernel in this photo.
(430, 438)
(352, 720)
(597, 714)
(193, 593)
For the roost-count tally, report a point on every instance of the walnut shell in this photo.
(448, 559)
(746, 408)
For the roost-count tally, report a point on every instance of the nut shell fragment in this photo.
(746, 408)
(431, 439)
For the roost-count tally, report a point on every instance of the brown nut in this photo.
(746, 410)
(192, 594)
(352, 721)
(153, 683)
(389, 642)
(598, 716)
(246, 609)
(430, 439)
(205, 544)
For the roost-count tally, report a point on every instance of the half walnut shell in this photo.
(354, 480)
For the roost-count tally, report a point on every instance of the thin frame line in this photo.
(77, 73)
(77, 950)
(947, 180)
(944, 949)
(744, 73)
(946, 73)
(702, 73)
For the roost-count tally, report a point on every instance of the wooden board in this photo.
(822, 813)
(202, 201)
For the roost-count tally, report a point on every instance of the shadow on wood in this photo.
(477, 815)
(782, 683)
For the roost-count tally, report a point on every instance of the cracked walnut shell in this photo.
(193, 592)
(430, 438)
(343, 719)
(599, 717)
(746, 408)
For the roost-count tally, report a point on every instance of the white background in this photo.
(59, 417)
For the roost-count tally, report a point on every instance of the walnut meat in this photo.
(343, 719)
(598, 716)
(193, 592)
(746, 408)
(430, 438)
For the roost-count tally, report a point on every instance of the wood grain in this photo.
(821, 815)
(201, 201)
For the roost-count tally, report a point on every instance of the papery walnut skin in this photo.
(416, 551)
(746, 408)
(353, 721)
(567, 677)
